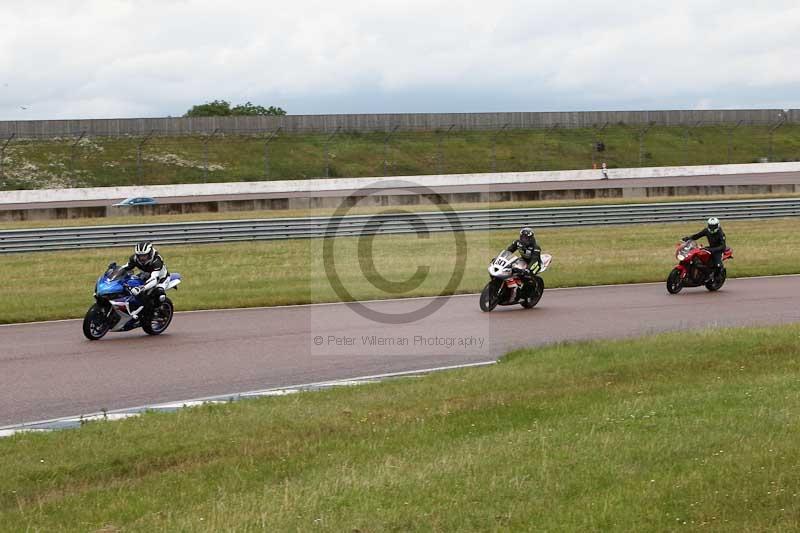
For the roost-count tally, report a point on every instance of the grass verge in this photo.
(103, 161)
(51, 285)
(364, 210)
(685, 430)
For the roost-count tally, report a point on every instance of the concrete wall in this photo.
(347, 184)
(386, 122)
(394, 199)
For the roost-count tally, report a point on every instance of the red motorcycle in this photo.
(695, 268)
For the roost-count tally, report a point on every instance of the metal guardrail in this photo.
(40, 240)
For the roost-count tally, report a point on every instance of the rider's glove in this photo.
(136, 290)
(684, 239)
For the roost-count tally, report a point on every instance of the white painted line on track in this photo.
(40, 322)
(127, 412)
(412, 298)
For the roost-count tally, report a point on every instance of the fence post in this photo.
(139, 147)
(642, 133)
(494, 146)
(686, 146)
(386, 150)
(597, 139)
(328, 151)
(771, 131)
(205, 153)
(266, 151)
(440, 147)
(686, 142)
(72, 152)
(730, 139)
(3, 157)
(544, 138)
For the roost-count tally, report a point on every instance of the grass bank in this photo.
(677, 431)
(51, 285)
(123, 218)
(103, 161)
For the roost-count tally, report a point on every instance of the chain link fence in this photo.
(80, 159)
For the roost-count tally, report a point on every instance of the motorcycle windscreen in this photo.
(546, 260)
(106, 287)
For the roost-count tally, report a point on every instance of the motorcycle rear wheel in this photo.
(95, 323)
(490, 296)
(538, 291)
(717, 281)
(159, 319)
(674, 282)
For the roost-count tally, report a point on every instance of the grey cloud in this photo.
(157, 58)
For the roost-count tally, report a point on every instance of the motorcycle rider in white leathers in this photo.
(153, 271)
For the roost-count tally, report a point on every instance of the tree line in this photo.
(222, 108)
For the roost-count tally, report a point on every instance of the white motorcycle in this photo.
(511, 282)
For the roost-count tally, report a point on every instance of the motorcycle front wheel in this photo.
(96, 323)
(159, 319)
(674, 282)
(490, 296)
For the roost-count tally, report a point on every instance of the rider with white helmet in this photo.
(716, 240)
(153, 271)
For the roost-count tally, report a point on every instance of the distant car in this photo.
(131, 202)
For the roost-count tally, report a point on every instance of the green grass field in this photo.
(682, 431)
(98, 162)
(363, 210)
(51, 285)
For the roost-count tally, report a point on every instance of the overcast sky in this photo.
(114, 58)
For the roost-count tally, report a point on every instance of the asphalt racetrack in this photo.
(49, 370)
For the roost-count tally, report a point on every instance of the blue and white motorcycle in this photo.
(114, 304)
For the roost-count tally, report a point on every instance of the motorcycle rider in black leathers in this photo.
(529, 250)
(716, 241)
(153, 272)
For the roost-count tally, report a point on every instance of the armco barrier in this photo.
(198, 191)
(36, 240)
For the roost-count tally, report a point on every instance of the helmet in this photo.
(713, 225)
(526, 235)
(144, 252)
